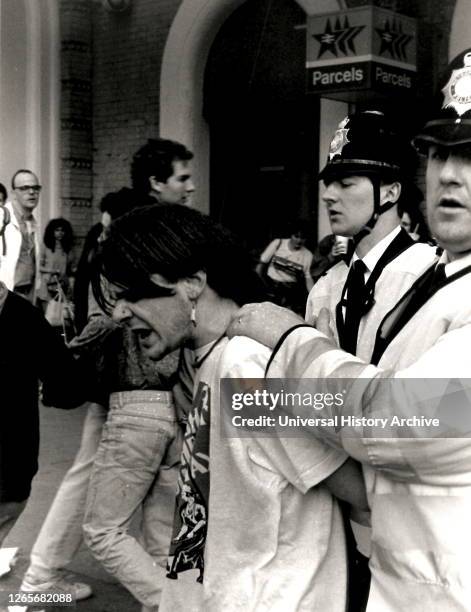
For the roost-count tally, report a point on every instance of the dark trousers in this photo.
(26, 291)
(359, 575)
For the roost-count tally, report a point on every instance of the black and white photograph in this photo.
(235, 241)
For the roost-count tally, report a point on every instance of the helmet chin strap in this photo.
(377, 211)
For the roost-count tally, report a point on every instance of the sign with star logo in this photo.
(352, 52)
(338, 38)
(394, 41)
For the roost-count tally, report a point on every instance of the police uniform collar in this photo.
(374, 254)
(451, 267)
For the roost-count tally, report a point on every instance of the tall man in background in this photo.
(161, 172)
(19, 265)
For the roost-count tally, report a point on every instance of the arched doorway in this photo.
(181, 94)
(263, 127)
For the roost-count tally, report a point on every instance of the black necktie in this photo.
(355, 287)
(439, 277)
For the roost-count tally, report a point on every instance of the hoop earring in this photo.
(193, 314)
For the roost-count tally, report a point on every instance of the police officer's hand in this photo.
(263, 322)
(322, 323)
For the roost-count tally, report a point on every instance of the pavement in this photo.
(60, 437)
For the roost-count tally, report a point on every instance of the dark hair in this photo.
(297, 226)
(174, 241)
(21, 171)
(118, 203)
(67, 240)
(410, 199)
(409, 202)
(3, 191)
(155, 159)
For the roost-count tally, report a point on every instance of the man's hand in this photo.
(264, 322)
(322, 323)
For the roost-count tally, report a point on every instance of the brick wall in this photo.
(110, 87)
(76, 114)
(127, 52)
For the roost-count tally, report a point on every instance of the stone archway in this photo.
(181, 97)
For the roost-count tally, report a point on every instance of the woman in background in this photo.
(285, 267)
(56, 265)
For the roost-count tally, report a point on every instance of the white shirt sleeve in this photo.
(304, 462)
(306, 353)
(271, 249)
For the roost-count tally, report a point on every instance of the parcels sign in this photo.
(365, 48)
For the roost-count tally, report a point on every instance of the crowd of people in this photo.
(168, 304)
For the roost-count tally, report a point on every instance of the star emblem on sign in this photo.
(337, 38)
(393, 39)
(457, 92)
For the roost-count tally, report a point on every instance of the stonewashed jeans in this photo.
(61, 533)
(136, 465)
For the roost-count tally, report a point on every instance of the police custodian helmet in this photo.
(366, 143)
(450, 123)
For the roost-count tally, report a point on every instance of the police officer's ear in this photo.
(390, 192)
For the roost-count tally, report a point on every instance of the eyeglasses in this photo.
(24, 188)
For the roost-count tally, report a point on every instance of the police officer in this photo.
(419, 490)
(369, 168)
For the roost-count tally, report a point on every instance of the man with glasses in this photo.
(19, 264)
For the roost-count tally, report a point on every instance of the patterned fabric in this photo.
(286, 265)
(254, 528)
(190, 525)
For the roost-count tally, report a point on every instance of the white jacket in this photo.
(419, 489)
(13, 247)
(396, 278)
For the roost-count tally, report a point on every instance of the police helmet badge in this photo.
(339, 140)
(457, 92)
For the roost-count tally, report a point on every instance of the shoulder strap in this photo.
(400, 244)
(5, 221)
(410, 303)
(274, 252)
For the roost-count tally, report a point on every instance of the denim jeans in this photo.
(61, 534)
(136, 465)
